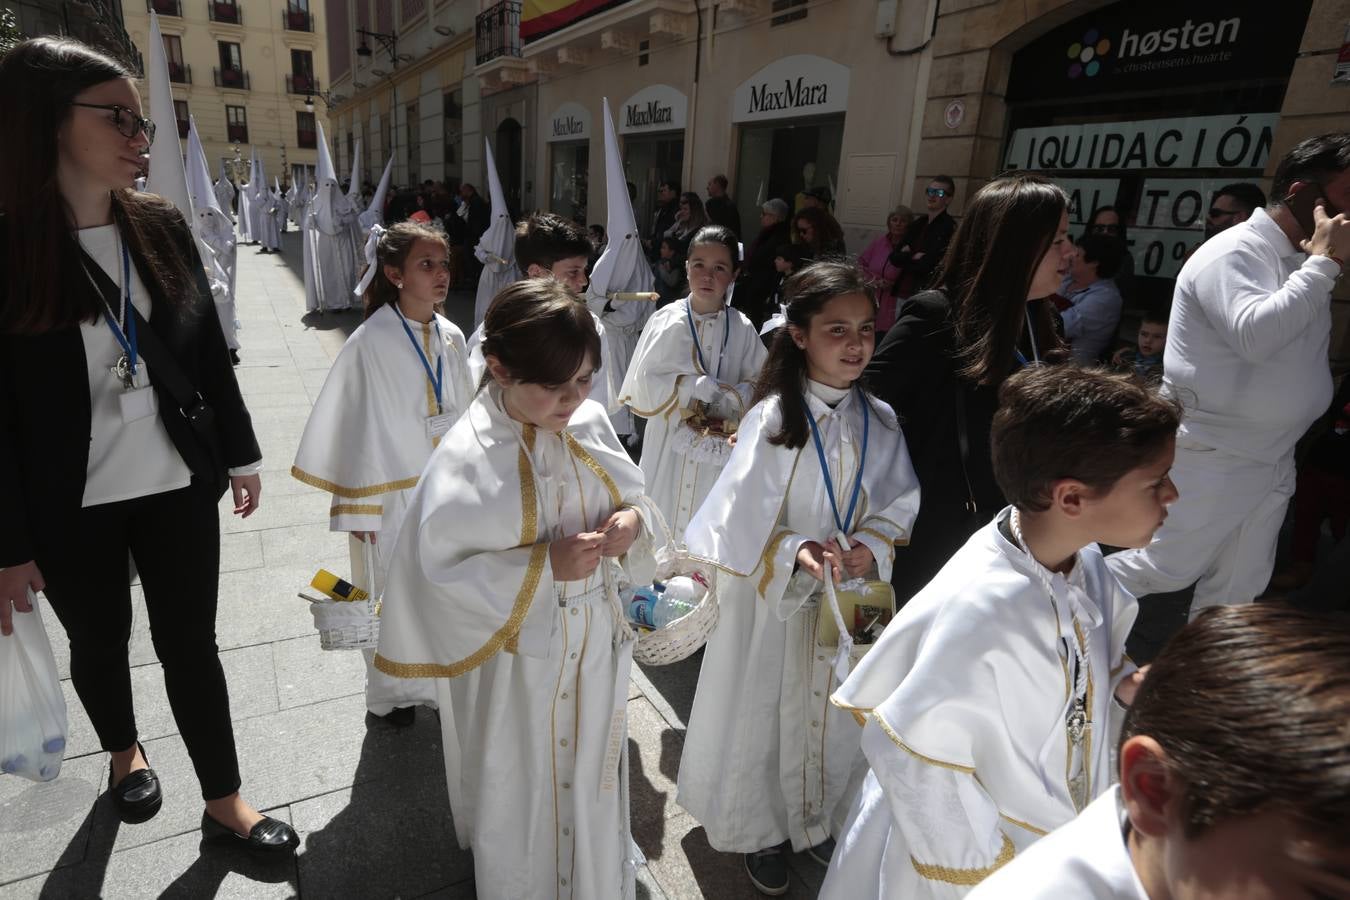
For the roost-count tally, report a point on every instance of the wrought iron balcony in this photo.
(165, 7)
(227, 11)
(231, 78)
(301, 83)
(236, 134)
(497, 31)
(293, 19)
(180, 73)
(307, 140)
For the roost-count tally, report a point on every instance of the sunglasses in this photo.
(125, 120)
(1105, 229)
(936, 192)
(1216, 213)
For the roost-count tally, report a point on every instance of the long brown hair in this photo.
(43, 289)
(784, 370)
(392, 250)
(1007, 228)
(828, 233)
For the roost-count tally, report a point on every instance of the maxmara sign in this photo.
(790, 87)
(657, 107)
(570, 122)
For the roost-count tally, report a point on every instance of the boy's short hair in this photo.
(797, 254)
(1062, 421)
(543, 239)
(1105, 251)
(1156, 315)
(1251, 705)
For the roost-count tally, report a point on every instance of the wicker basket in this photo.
(680, 639)
(349, 624)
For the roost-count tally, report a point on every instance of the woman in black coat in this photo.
(123, 424)
(942, 364)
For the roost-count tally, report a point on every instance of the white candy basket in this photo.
(349, 624)
(679, 639)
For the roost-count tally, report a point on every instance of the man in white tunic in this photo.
(1247, 357)
(330, 258)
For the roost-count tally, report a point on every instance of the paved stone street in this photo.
(369, 801)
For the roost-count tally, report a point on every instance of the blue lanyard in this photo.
(825, 468)
(1021, 360)
(698, 348)
(437, 379)
(126, 338)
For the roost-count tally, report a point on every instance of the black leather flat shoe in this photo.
(136, 797)
(269, 838)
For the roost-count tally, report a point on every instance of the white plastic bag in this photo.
(32, 707)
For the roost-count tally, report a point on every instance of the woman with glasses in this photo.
(820, 231)
(107, 321)
(940, 367)
(1110, 222)
(925, 241)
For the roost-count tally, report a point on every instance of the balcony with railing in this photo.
(293, 19)
(236, 134)
(497, 31)
(180, 73)
(165, 7)
(236, 79)
(226, 11)
(307, 140)
(301, 83)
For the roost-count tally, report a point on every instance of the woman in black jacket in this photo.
(122, 421)
(941, 365)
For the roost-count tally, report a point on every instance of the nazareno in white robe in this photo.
(659, 384)
(330, 255)
(766, 757)
(965, 700)
(366, 443)
(1086, 859)
(532, 673)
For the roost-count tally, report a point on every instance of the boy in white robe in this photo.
(697, 356)
(988, 703)
(767, 759)
(502, 592)
(549, 245)
(394, 390)
(1234, 774)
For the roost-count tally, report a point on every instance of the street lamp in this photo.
(329, 99)
(388, 42)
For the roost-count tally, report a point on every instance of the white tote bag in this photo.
(32, 707)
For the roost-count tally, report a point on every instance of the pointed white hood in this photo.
(167, 177)
(496, 250)
(623, 266)
(354, 183)
(329, 205)
(374, 214)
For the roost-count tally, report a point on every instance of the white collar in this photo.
(831, 396)
(1271, 232)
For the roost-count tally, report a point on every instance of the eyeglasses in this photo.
(936, 192)
(1216, 213)
(1103, 228)
(125, 120)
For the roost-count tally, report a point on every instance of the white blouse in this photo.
(126, 459)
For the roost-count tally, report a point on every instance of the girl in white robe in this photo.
(697, 354)
(990, 703)
(398, 385)
(767, 759)
(501, 593)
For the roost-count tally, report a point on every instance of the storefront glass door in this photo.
(784, 160)
(648, 161)
(570, 169)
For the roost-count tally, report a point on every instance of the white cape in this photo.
(772, 760)
(965, 700)
(659, 384)
(532, 673)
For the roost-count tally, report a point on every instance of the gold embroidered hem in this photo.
(652, 414)
(355, 509)
(895, 739)
(511, 628)
(966, 876)
(580, 453)
(354, 493)
(766, 561)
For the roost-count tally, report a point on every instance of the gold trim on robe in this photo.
(353, 493)
(966, 876)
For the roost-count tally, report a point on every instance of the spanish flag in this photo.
(541, 17)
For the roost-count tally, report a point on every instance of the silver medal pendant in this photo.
(125, 374)
(1077, 723)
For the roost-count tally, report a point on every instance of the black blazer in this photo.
(45, 410)
(929, 237)
(914, 370)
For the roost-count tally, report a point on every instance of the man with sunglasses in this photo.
(925, 241)
(1232, 205)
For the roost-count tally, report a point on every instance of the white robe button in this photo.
(563, 742)
(574, 656)
(574, 610)
(567, 785)
(567, 831)
(564, 696)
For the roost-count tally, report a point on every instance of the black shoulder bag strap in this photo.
(963, 444)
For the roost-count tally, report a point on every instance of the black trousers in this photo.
(174, 538)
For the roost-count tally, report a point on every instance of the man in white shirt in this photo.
(1247, 357)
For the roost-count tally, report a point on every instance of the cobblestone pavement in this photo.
(368, 800)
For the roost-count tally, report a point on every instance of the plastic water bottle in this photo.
(668, 609)
(642, 603)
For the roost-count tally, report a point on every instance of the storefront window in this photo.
(650, 160)
(786, 159)
(569, 178)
